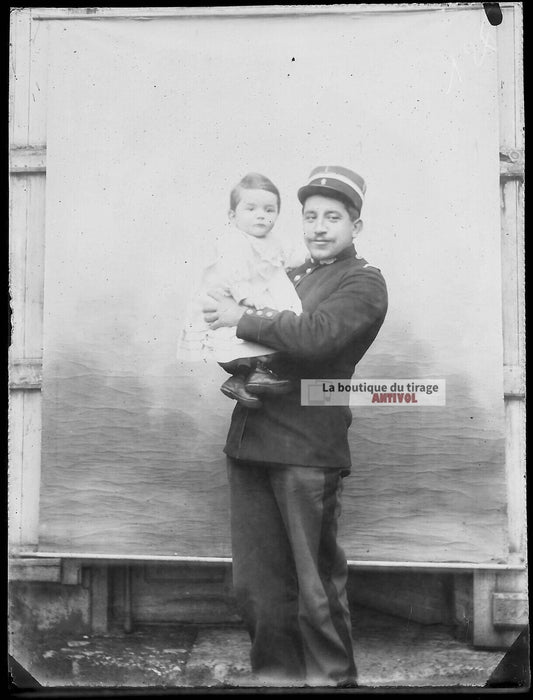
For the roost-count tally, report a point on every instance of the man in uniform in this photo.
(287, 461)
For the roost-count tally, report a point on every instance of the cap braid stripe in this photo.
(340, 178)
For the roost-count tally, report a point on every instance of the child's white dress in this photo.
(246, 268)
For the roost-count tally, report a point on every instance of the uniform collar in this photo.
(348, 252)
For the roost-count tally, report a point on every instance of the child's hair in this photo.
(252, 181)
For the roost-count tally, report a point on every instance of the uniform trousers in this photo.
(289, 573)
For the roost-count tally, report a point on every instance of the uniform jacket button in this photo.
(298, 277)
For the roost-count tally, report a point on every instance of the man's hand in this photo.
(221, 310)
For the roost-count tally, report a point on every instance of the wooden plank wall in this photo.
(500, 600)
(512, 154)
(27, 132)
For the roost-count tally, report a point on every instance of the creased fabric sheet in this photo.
(150, 124)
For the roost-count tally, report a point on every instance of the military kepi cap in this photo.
(334, 180)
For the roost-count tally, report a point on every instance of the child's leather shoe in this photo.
(264, 381)
(234, 388)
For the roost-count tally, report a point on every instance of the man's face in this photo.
(256, 212)
(327, 226)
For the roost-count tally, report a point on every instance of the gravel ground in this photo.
(390, 652)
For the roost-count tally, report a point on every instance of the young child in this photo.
(249, 266)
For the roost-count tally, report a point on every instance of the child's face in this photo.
(256, 212)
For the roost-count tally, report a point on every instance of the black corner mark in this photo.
(493, 12)
(20, 678)
(513, 671)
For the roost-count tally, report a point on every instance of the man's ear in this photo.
(357, 227)
(231, 215)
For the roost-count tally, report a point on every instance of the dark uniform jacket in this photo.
(344, 304)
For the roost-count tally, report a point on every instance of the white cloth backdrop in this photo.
(150, 123)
